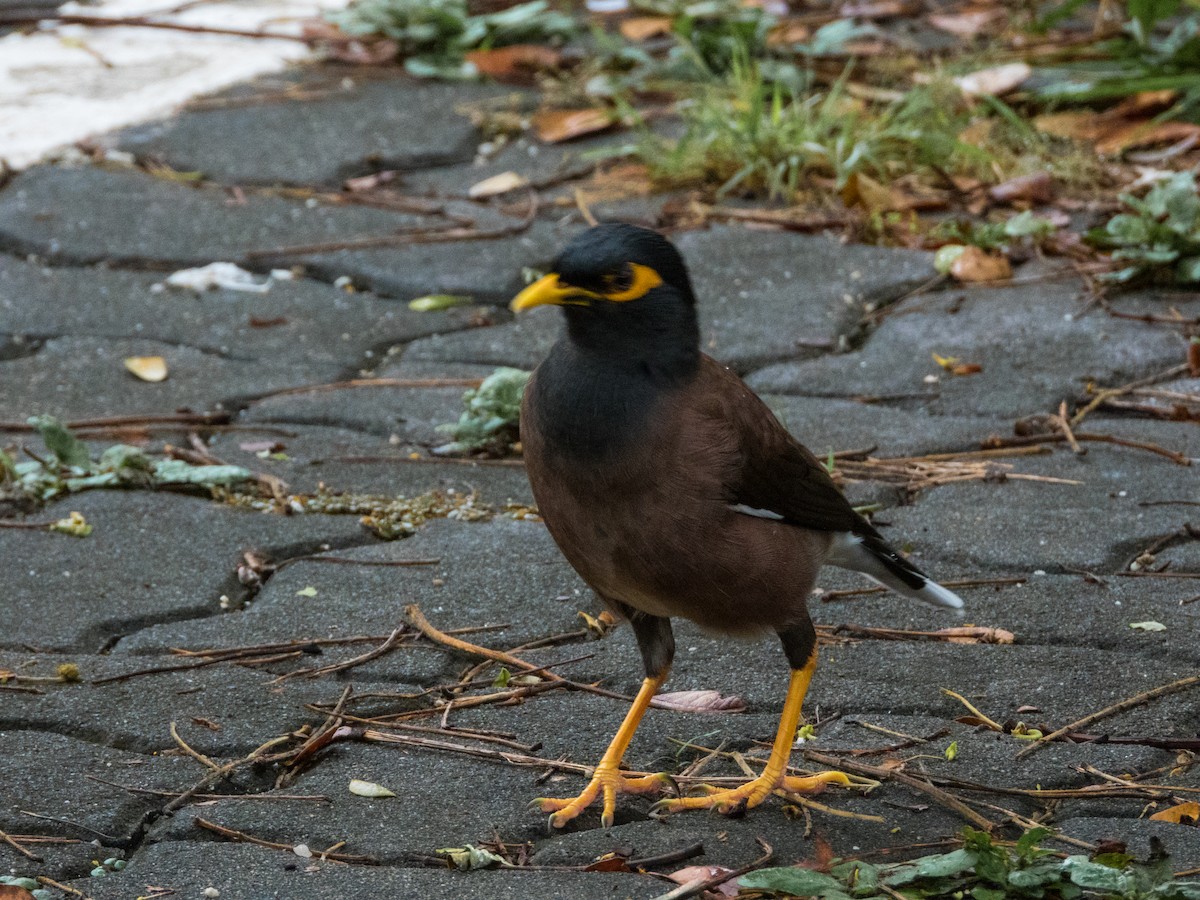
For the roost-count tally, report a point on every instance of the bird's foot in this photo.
(752, 793)
(607, 782)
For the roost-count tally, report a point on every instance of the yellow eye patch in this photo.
(642, 280)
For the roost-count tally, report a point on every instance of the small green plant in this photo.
(1160, 234)
(71, 469)
(1143, 58)
(1024, 227)
(754, 137)
(488, 423)
(985, 870)
(432, 36)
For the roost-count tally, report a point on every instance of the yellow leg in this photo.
(607, 777)
(773, 778)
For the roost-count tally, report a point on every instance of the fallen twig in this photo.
(12, 842)
(698, 887)
(251, 839)
(420, 235)
(190, 751)
(370, 383)
(1128, 703)
(1026, 440)
(925, 787)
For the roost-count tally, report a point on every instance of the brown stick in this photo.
(924, 787)
(251, 839)
(143, 22)
(8, 839)
(1128, 703)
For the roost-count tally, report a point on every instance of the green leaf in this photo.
(1027, 843)
(1148, 13)
(790, 880)
(980, 892)
(434, 302)
(942, 865)
(1093, 876)
(1187, 270)
(58, 440)
(1037, 875)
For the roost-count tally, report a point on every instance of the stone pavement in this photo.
(94, 761)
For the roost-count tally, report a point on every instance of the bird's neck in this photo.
(655, 342)
(601, 389)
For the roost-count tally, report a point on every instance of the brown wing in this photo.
(775, 472)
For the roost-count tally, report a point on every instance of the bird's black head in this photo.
(626, 295)
(610, 264)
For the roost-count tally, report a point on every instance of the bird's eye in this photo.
(617, 282)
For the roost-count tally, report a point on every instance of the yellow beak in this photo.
(548, 290)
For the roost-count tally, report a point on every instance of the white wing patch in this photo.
(757, 513)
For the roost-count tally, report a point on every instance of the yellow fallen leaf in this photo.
(1180, 814)
(642, 28)
(147, 368)
(497, 185)
(369, 789)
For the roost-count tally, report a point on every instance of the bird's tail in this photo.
(871, 555)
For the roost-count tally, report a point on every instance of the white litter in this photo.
(223, 275)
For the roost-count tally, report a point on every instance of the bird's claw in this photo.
(735, 801)
(606, 783)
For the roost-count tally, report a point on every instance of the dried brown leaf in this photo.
(994, 81)
(969, 23)
(610, 862)
(974, 265)
(516, 63)
(699, 701)
(555, 125)
(1036, 188)
(12, 892)
(642, 28)
(692, 874)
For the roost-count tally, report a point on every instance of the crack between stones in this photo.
(115, 631)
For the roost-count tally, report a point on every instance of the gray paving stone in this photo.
(498, 572)
(127, 217)
(152, 557)
(1023, 526)
(316, 127)
(487, 269)
(303, 319)
(135, 714)
(93, 214)
(408, 415)
(240, 870)
(84, 377)
(359, 462)
(54, 775)
(767, 296)
(1032, 355)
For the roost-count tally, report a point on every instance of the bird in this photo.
(674, 491)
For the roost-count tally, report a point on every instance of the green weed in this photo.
(432, 36)
(750, 136)
(985, 870)
(1160, 234)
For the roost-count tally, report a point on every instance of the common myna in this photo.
(674, 491)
